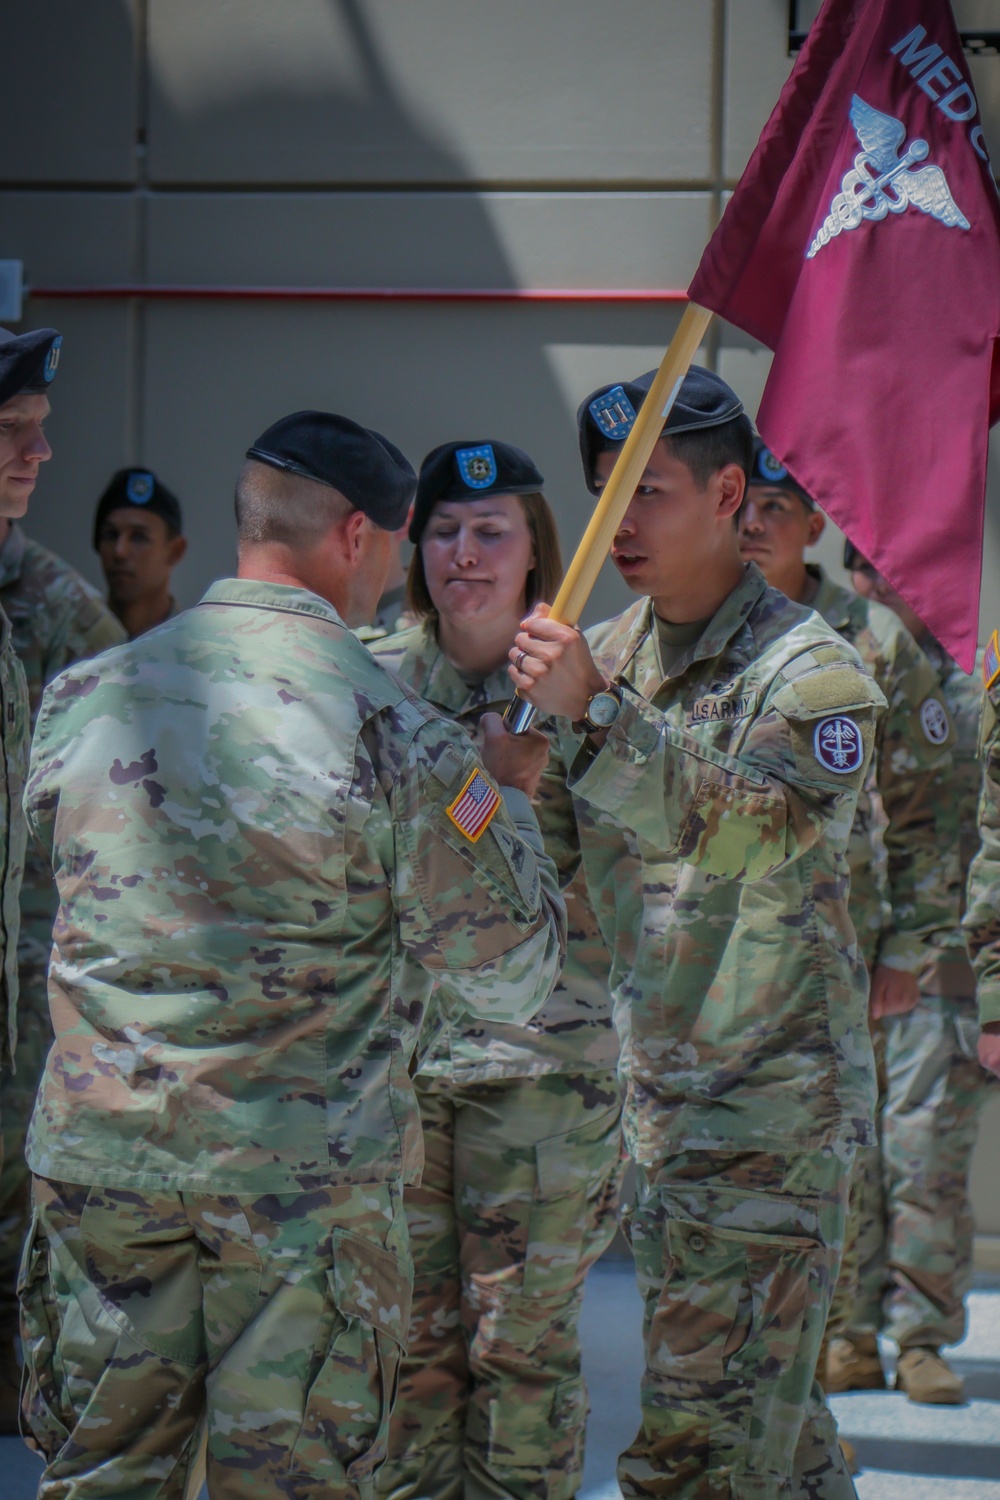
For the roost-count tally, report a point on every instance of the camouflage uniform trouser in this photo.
(864, 1211)
(280, 1317)
(736, 1257)
(518, 1199)
(914, 1221)
(17, 1099)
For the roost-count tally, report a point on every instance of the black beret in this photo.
(28, 362)
(767, 469)
(365, 467)
(469, 471)
(605, 419)
(139, 488)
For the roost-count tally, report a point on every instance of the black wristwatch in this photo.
(602, 710)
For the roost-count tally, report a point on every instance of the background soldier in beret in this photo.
(521, 1123)
(267, 852)
(55, 618)
(915, 1245)
(721, 736)
(139, 537)
(982, 917)
(903, 906)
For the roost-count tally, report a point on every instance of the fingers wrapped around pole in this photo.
(581, 575)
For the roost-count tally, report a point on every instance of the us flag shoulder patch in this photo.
(473, 808)
(991, 661)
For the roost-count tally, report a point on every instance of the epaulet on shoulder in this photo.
(396, 693)
(829, 675)
(894, 640)
(394, 643)
(55, 572)
(618, 625)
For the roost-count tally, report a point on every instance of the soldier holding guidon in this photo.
(721, 737)
(265, 854)
(521, 1123)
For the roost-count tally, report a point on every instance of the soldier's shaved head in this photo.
(282, 507)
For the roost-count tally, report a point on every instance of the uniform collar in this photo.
(724, 625)
(12, 555)
(251, 593)
(831, 600)
(434, 678)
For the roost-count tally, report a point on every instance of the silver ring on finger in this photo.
(519, 664)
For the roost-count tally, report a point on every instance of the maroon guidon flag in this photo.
(862, 245)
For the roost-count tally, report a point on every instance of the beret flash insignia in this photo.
(139, 487)
(477, 466)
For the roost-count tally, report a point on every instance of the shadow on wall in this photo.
(259, 149)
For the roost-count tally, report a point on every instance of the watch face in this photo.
(602, 709)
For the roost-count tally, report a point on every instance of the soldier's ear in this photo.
(729, 486)
(354, 528)
(817, 526)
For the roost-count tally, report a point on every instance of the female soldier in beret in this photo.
(521, 1123)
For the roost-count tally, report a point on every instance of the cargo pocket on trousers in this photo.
(345, 1426)
(40, 1333)
(545, 1436)
(728, 1296)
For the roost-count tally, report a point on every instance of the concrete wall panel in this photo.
(756, 66)
(567, 239)
(70, 238)
(433, 91)
(68, 105)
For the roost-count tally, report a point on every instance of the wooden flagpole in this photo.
(581, 575)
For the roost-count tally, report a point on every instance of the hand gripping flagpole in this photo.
(630, 465)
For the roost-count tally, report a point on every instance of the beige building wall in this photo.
(375, 143)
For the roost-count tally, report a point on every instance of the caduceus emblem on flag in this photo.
(895, 184)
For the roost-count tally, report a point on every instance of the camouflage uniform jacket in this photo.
(982, 915)
(946, 969)
(56, 619)
(259, 886)
(714, 824)
(14, 739)
(897, 905)
(574, 1030)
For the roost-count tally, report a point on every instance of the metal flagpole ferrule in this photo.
(519, 715)
(630, 465)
